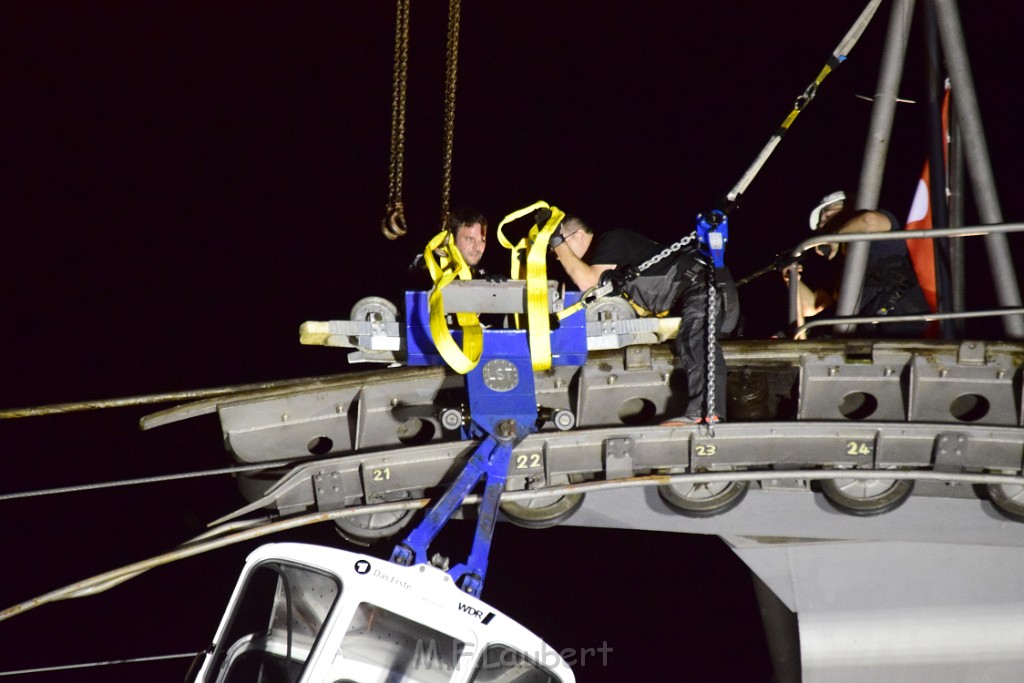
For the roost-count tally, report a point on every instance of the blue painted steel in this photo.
(490, 459)
(568, 339)
(419, 342)
(470, 576)
(713, 233)
(503, 409)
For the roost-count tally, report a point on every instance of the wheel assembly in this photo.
(610, 308)
(703, 500)
(1008, 499)
(374, 309)
(865, 497)
(545, 511)
(375, 526)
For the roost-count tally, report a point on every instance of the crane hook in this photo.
(393, 226)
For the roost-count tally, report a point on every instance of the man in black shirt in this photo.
(890, 283)
(676, 284)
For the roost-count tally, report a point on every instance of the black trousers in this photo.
(692, 341)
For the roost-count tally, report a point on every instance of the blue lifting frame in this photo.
(503, 411)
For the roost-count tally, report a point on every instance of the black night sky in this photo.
(185, 183)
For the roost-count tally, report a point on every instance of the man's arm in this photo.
(811, 301)
(866, 221)
(583, 276)
(861, 222)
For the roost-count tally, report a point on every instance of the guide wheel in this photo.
(865, 497)
(367, 529)
(610, 308)
(374, 309)
(1008, 500)
(703, 500)
(545, 511)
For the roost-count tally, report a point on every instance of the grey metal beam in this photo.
(876, 149)
(978, 163)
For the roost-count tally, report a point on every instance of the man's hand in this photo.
(495, 277)
(556, 238)
(618, 277)
(830, 250)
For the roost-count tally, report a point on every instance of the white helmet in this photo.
(826, 201)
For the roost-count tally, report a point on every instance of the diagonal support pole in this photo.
(470, 576)
(414, 548)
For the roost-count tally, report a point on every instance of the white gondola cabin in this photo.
(304, 613)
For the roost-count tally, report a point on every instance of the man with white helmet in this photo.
(890, 284)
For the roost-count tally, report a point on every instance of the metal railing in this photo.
(796, 316)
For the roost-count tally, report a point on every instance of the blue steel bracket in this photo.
(713, 233)
(470, 576)
(503, 409)
(568, 340)
(485, 458)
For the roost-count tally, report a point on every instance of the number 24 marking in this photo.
(857, 448)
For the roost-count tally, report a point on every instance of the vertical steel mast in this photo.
(976, 152)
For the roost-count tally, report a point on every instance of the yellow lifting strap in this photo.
(535, 244)
(641, 312)
(443, 272)
(578, 306)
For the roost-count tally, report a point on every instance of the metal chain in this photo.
(398, 99)
(393, 225)
(451, 73)
(667, 251)
(712, 344)
(597, 291)
(712, 315)
(709, 392)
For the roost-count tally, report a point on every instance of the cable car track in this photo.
(389, 435)
(228, 532)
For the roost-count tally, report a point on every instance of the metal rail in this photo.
(922, 317)
(845, 321)
(114, 577)
(613, 454)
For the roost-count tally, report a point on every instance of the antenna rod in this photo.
(838, 57)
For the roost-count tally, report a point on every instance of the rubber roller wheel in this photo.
(703, 500)
(866, 497)
(368, 529)
(544, 511)
(374, 308)
(610, 308)
(1008, 499)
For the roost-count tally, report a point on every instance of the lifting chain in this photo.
(712, 348)
(451, 72)
(667, 251)
(712, 341)
(592, 295)
(393, 226)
